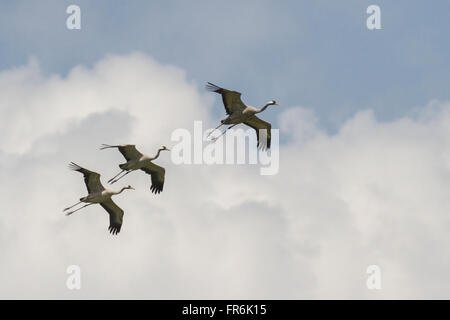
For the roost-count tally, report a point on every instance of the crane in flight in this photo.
(139, 161)
(98, 194)
(238, 113)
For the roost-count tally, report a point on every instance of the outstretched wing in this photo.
(231, 99)
(264, 136)
(129, 151)
(157, 173)
(91, 178)
(115, 216)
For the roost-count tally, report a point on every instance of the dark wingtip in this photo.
(107, 146)
(212, 87)
(74, 166)
(155, 189)
(263, 147)
(114, 230)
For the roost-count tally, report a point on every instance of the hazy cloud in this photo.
(373, 193)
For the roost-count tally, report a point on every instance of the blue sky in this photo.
(315, 54)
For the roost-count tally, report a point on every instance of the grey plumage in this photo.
(238, 113)
(138, 161)
(98, 194)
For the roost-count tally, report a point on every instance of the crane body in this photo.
(238, 112)
(139, 161)
(97, 194)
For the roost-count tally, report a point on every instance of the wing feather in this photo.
(130, 152)
(231, 99)
(264, 136)
(115, 216)
(91, 178)
(157, 173)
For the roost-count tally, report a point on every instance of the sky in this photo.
(364, 162)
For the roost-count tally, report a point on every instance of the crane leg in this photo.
(214, 129)
(115, 180)
(215, 139)
(109, 181)
(69, 213)
(65, 209)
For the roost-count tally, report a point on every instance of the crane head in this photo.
(272, 102)
(165, 148)
(129, 187)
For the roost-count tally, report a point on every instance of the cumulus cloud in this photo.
(373, 193)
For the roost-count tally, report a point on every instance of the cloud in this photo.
(373, 193)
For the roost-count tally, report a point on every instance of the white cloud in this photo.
(36, 105)
(374, 193)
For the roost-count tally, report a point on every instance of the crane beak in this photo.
(277, 104)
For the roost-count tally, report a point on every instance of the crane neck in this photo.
(120, 191)
(263, 108)
(157, 154)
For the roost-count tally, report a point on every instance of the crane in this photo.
(136, 161)
(238, 113)
(98, 194)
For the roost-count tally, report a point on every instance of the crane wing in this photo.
(157, 173)
(115, 216)
(91, 178)
(129, 151)
(231, 99)
(263, 136)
